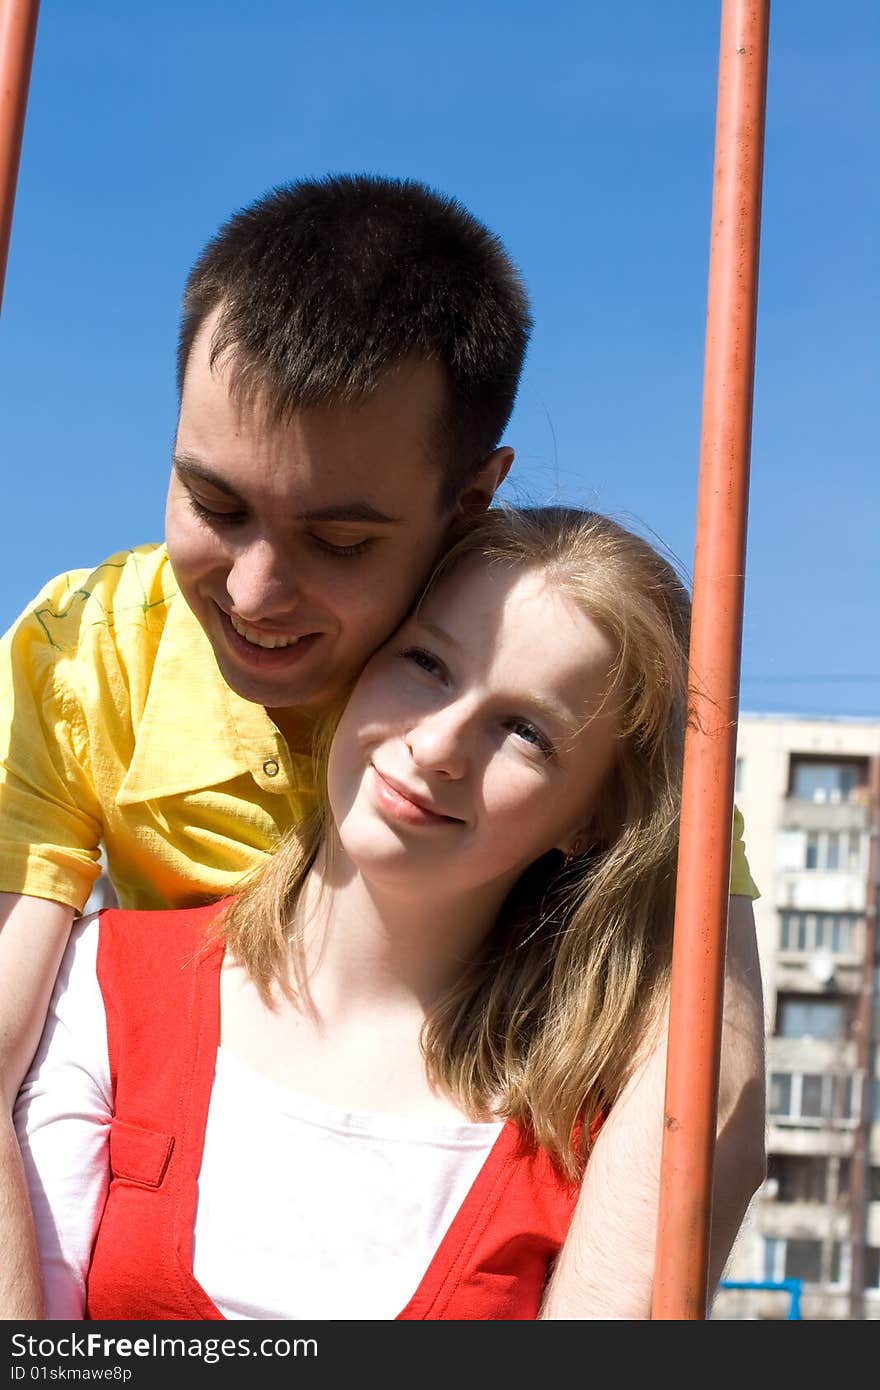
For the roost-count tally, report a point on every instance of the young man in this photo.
(349, 355)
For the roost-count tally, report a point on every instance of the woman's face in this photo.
(476, 738)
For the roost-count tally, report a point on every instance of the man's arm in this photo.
(33, 934)
(605, 1268)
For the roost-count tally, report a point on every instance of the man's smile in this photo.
(262, 639)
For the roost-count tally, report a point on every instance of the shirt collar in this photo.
(195, 732)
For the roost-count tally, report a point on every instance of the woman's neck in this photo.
(369, 943)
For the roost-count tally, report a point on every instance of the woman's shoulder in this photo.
(149, 945)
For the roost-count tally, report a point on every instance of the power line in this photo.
(811, 680)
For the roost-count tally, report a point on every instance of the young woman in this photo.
(367, 1086)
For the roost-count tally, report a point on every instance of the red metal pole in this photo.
(682, 1253)
(18, 31)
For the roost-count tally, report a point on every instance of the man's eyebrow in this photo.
(356, 510)
(349, 511)
(189, 467)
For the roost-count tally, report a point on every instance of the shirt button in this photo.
(270, 767)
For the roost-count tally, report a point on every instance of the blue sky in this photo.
(583, 135)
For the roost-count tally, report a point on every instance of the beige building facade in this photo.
(806, 791)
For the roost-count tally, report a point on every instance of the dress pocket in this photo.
(139, 1155)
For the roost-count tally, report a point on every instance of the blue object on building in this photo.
(790, 1286)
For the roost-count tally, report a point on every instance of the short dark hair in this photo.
(325, 284)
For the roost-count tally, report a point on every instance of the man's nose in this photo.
(441, 741)
(263, 581)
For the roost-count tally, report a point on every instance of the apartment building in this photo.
(807, 789)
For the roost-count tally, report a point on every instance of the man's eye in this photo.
(220, 518)
(425, 661)
(332, 548)
(529, 734)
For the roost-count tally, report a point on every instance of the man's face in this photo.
(299, 547)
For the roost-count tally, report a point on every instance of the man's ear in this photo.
(482, 487)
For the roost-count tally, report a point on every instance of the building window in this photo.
(793, 931)
(805, 932)
(812, 1016)
(798, 1177)
(779, 1102)
(836, 932)
(826, 779)
(738, 776)
(774, 1258)
(813, 1098)
(845, 1097)
(833, 851)
(801, 1259)
(872, 1267)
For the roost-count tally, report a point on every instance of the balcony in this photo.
(804, 1221)
(806, 890)
(801, 972)
(833, 1055)
(854, 813)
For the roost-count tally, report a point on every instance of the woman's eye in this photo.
(214, 518)
(424, 660)
(529, 734)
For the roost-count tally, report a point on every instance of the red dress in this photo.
(161, 993)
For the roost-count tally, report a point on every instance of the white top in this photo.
(304, 1211)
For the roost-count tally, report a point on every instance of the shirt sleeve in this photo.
(62, 1118)
(741, 881)
(50, 819)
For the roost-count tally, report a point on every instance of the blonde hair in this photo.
(545, 1024)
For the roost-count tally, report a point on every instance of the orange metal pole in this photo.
(682, 1253)
(18, 31)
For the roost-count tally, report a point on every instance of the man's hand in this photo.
(606, 1266)
(33, 934)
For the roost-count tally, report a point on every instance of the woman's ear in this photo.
(574, 844)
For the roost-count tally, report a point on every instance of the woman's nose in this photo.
(439, 742)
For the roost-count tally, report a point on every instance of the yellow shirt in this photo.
(117, 728)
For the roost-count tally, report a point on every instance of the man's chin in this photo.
(272, 694)
(303, 694)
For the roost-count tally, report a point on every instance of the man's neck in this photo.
(296, 727)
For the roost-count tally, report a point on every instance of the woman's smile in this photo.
(399, 803)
